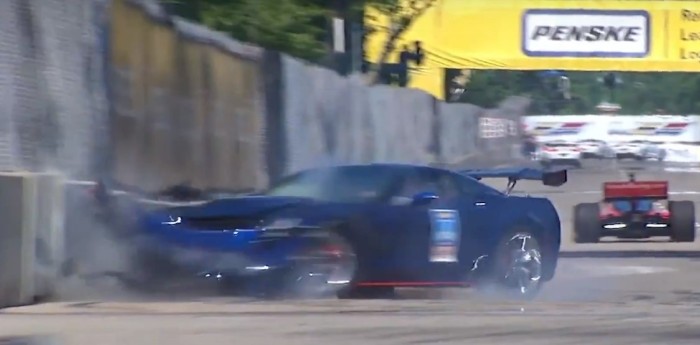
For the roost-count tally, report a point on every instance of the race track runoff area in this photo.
(643, 292)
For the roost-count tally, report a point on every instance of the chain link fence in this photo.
(52, 88)
(95, 87)
(187, 103)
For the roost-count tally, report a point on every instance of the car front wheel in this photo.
(325, 268)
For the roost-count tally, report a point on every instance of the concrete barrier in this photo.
(31, 236)
(50, 233)
(18, 195)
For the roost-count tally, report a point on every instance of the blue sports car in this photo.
(363, 230)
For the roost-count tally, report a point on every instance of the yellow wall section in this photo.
(486, 34)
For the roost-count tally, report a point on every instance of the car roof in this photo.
(402, 167)
(397, 166)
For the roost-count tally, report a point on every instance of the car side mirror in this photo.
(424, 198)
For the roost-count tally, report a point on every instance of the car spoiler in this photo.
(553, 178)
(635, 190)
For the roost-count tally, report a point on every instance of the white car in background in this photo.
(559, 153)
(594, 148)
(639, 150)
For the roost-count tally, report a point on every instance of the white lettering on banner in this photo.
(648, 128)
(585, 33)
(615, 128)
(512, 128)
(491, 127)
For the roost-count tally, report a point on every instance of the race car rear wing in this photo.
(635, 190)
(555, 178)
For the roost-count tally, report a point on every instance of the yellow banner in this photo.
(583, 35)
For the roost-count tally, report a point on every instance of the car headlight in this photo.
(172, 220)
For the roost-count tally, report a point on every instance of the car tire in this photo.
(587, 225)
(508, 258)
(682, 221)
(662, 156)
(309, 278)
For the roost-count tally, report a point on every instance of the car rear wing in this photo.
(555, 178)
(635, 190)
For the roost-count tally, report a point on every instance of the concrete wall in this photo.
(30, 237)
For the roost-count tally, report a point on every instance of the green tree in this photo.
(299, 28)
(401, 15)
(295, 27)
(637, 92)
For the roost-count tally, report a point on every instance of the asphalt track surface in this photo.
(641, 292)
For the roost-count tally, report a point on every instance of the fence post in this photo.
(275, 148)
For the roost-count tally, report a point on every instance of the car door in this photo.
(477, 207)
(403, 228)
(483, 206)
(431, 249)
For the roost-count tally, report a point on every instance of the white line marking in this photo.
(682, 170)
(604, 270)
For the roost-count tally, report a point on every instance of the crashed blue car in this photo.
(364, 230)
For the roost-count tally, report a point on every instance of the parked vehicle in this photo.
(559, 153)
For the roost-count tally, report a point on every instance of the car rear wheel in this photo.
(682, 221)
(587, 223)
(516, 267)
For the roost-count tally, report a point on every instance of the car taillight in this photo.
(549, 149)
(608, 210)
(659, 207)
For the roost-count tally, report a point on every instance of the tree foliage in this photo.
(297, 27)
(637, 93)
(301, 28)
(401, 15)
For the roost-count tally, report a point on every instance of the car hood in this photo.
(237, 207)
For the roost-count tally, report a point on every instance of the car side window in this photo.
(472, 187)
(420, 181)
(469, 186)
(414, 183)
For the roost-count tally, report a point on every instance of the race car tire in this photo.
(506, 260)
(587, 225)
(682, 221)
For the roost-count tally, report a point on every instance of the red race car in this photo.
(635, 209)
